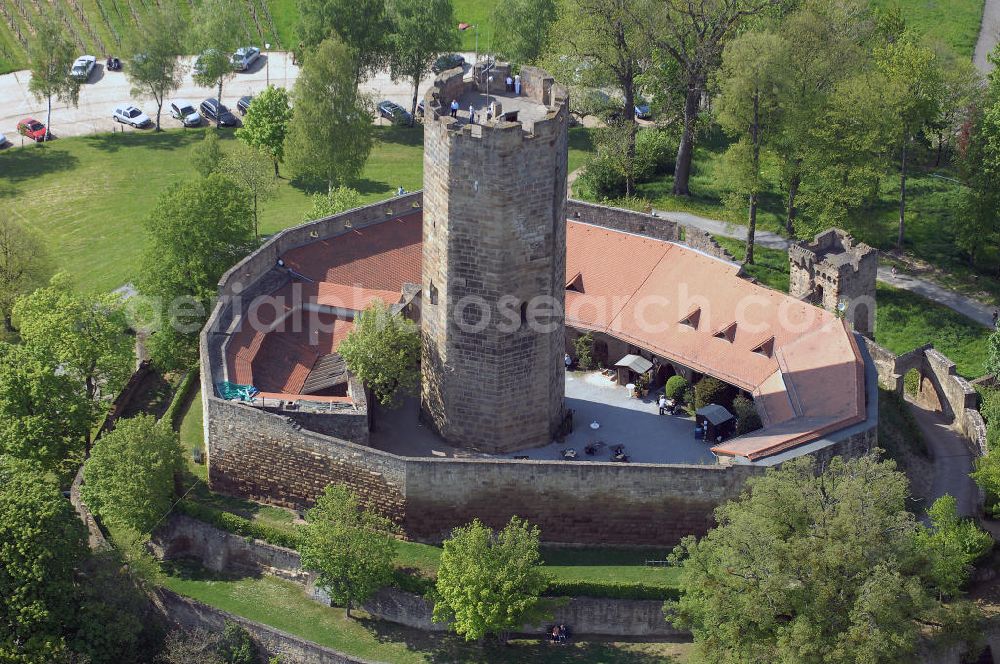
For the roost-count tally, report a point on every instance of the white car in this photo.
(183, 110)
(82, 67)
(131, 115)
(244, 57)
(3, 140)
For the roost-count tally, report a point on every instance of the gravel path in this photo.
(989, 34)
(952, 459)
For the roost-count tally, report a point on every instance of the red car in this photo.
(31, 128)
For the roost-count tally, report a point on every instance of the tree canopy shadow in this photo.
(29, 162)
(146, 138)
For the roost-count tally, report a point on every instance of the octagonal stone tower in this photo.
(494, 262)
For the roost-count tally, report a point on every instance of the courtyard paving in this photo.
(634, 423)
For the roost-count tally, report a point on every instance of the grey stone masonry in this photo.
(836, 271)
(494, 241)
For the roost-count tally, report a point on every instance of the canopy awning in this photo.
(636, 363)
(714, 413)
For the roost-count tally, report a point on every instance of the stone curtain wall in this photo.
(958, 398)
(259, 455)
(657, 227)
(599, 503)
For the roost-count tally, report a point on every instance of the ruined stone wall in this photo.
(494, 239)
(259, 455)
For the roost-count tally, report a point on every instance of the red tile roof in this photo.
(801, 363)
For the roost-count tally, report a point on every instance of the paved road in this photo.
(107, 89)
(989, 34)
(953, 460)
(968, 307)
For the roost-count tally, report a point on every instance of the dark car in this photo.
(448, 61)
(213, 110)
(394, 113)
(642, 111)
(243, 105)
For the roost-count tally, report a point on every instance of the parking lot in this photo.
(107, 89)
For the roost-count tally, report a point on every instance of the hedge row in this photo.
(238, 525)
(610, 590)
(188, 384)
(415, 583)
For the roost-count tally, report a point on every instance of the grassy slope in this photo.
(956, 22)
(89, 196)
(283, 605)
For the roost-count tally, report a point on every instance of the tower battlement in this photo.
(838, 273)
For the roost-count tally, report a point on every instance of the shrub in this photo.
(747, 419)
(656, 152)
(238, 525)
(235, 646)
(584, 347)
(676, 387)
(711, 390)
(610, 590)
(602, 179)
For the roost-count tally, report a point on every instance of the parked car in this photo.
(213, 110)
(448, 61)
(394, 113)
(32, 128)
(131, 115)
(3, 140)
(244, 57)
(642, 111)
(184, 111)
(82, 67)
(243, 105)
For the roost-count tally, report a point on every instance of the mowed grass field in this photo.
(88, 196)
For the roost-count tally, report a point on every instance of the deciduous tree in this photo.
(334, 201)
(490, 583)
(86, 336)
(810, 567)
(129, 477)
(250, 169)
(952, 545)
(153, 66)
(265, 125)
(383, 351)
(51, 54)
(330, 136)
(361, 25)
(523, 29)
(218, 31)
(42, 542)
(694, 33)
(206, 154)
(609, 35)
(351, 548)
(44, 415)
(24, 265)
(421, 31)
(196, 231)
(749, 108)
(914, 86)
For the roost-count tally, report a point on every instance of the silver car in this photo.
(183, 110)
(82, 67)
(244, 57)
(131, 115)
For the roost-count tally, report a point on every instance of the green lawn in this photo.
(955, 22)
(282, 604)
(89, 195)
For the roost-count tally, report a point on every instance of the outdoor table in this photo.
(594, 425)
